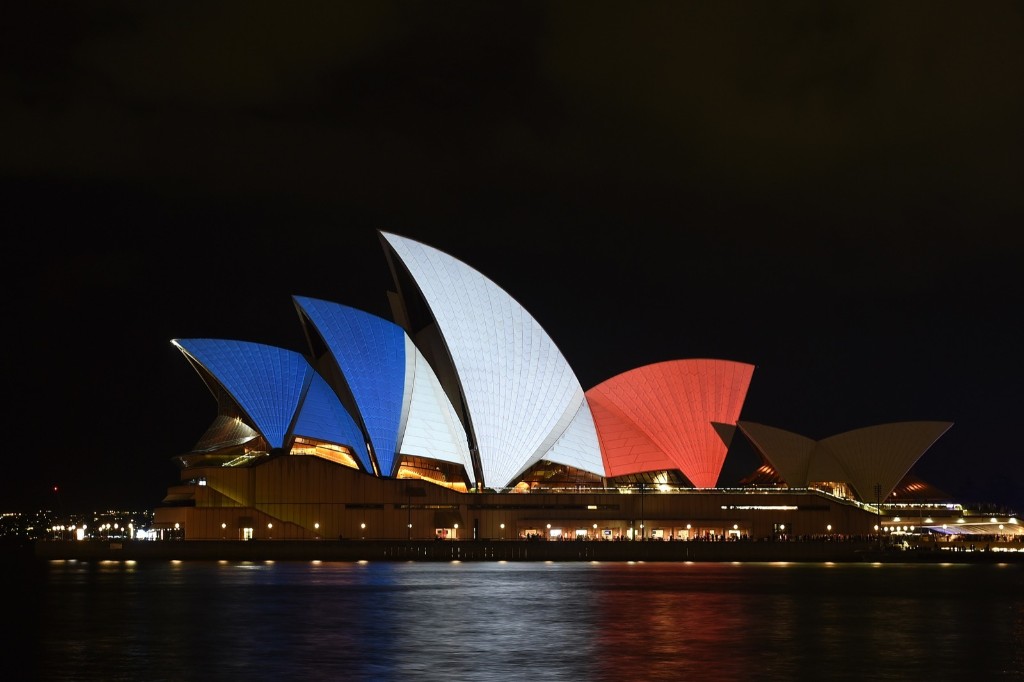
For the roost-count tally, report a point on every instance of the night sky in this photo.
(831, 192)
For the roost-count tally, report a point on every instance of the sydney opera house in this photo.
(459, 418)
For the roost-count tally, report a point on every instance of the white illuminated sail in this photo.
(524, 401)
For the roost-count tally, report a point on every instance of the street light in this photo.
(362, 529)
(878, 507)
(503, 531)
(456, 536)
(642, 488)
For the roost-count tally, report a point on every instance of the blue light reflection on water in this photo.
(524, 620)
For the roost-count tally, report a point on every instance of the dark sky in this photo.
(833, 192)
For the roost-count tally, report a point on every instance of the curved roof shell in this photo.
(371, 354)
(866, 458)
(523, 400)
(789, 453)
(398, 396)
(663, 416)
(278, 391)
(266, 382)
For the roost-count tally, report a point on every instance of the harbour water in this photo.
(382, 621)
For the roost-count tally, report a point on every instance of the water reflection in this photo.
(551, 621)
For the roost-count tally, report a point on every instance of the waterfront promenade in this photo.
(507, 550)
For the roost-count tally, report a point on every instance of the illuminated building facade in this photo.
(462, 419)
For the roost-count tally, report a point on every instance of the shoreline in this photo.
(499, 550)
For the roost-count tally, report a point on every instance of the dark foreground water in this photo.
(525, 621)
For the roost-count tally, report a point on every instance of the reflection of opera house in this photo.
(462, 420)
